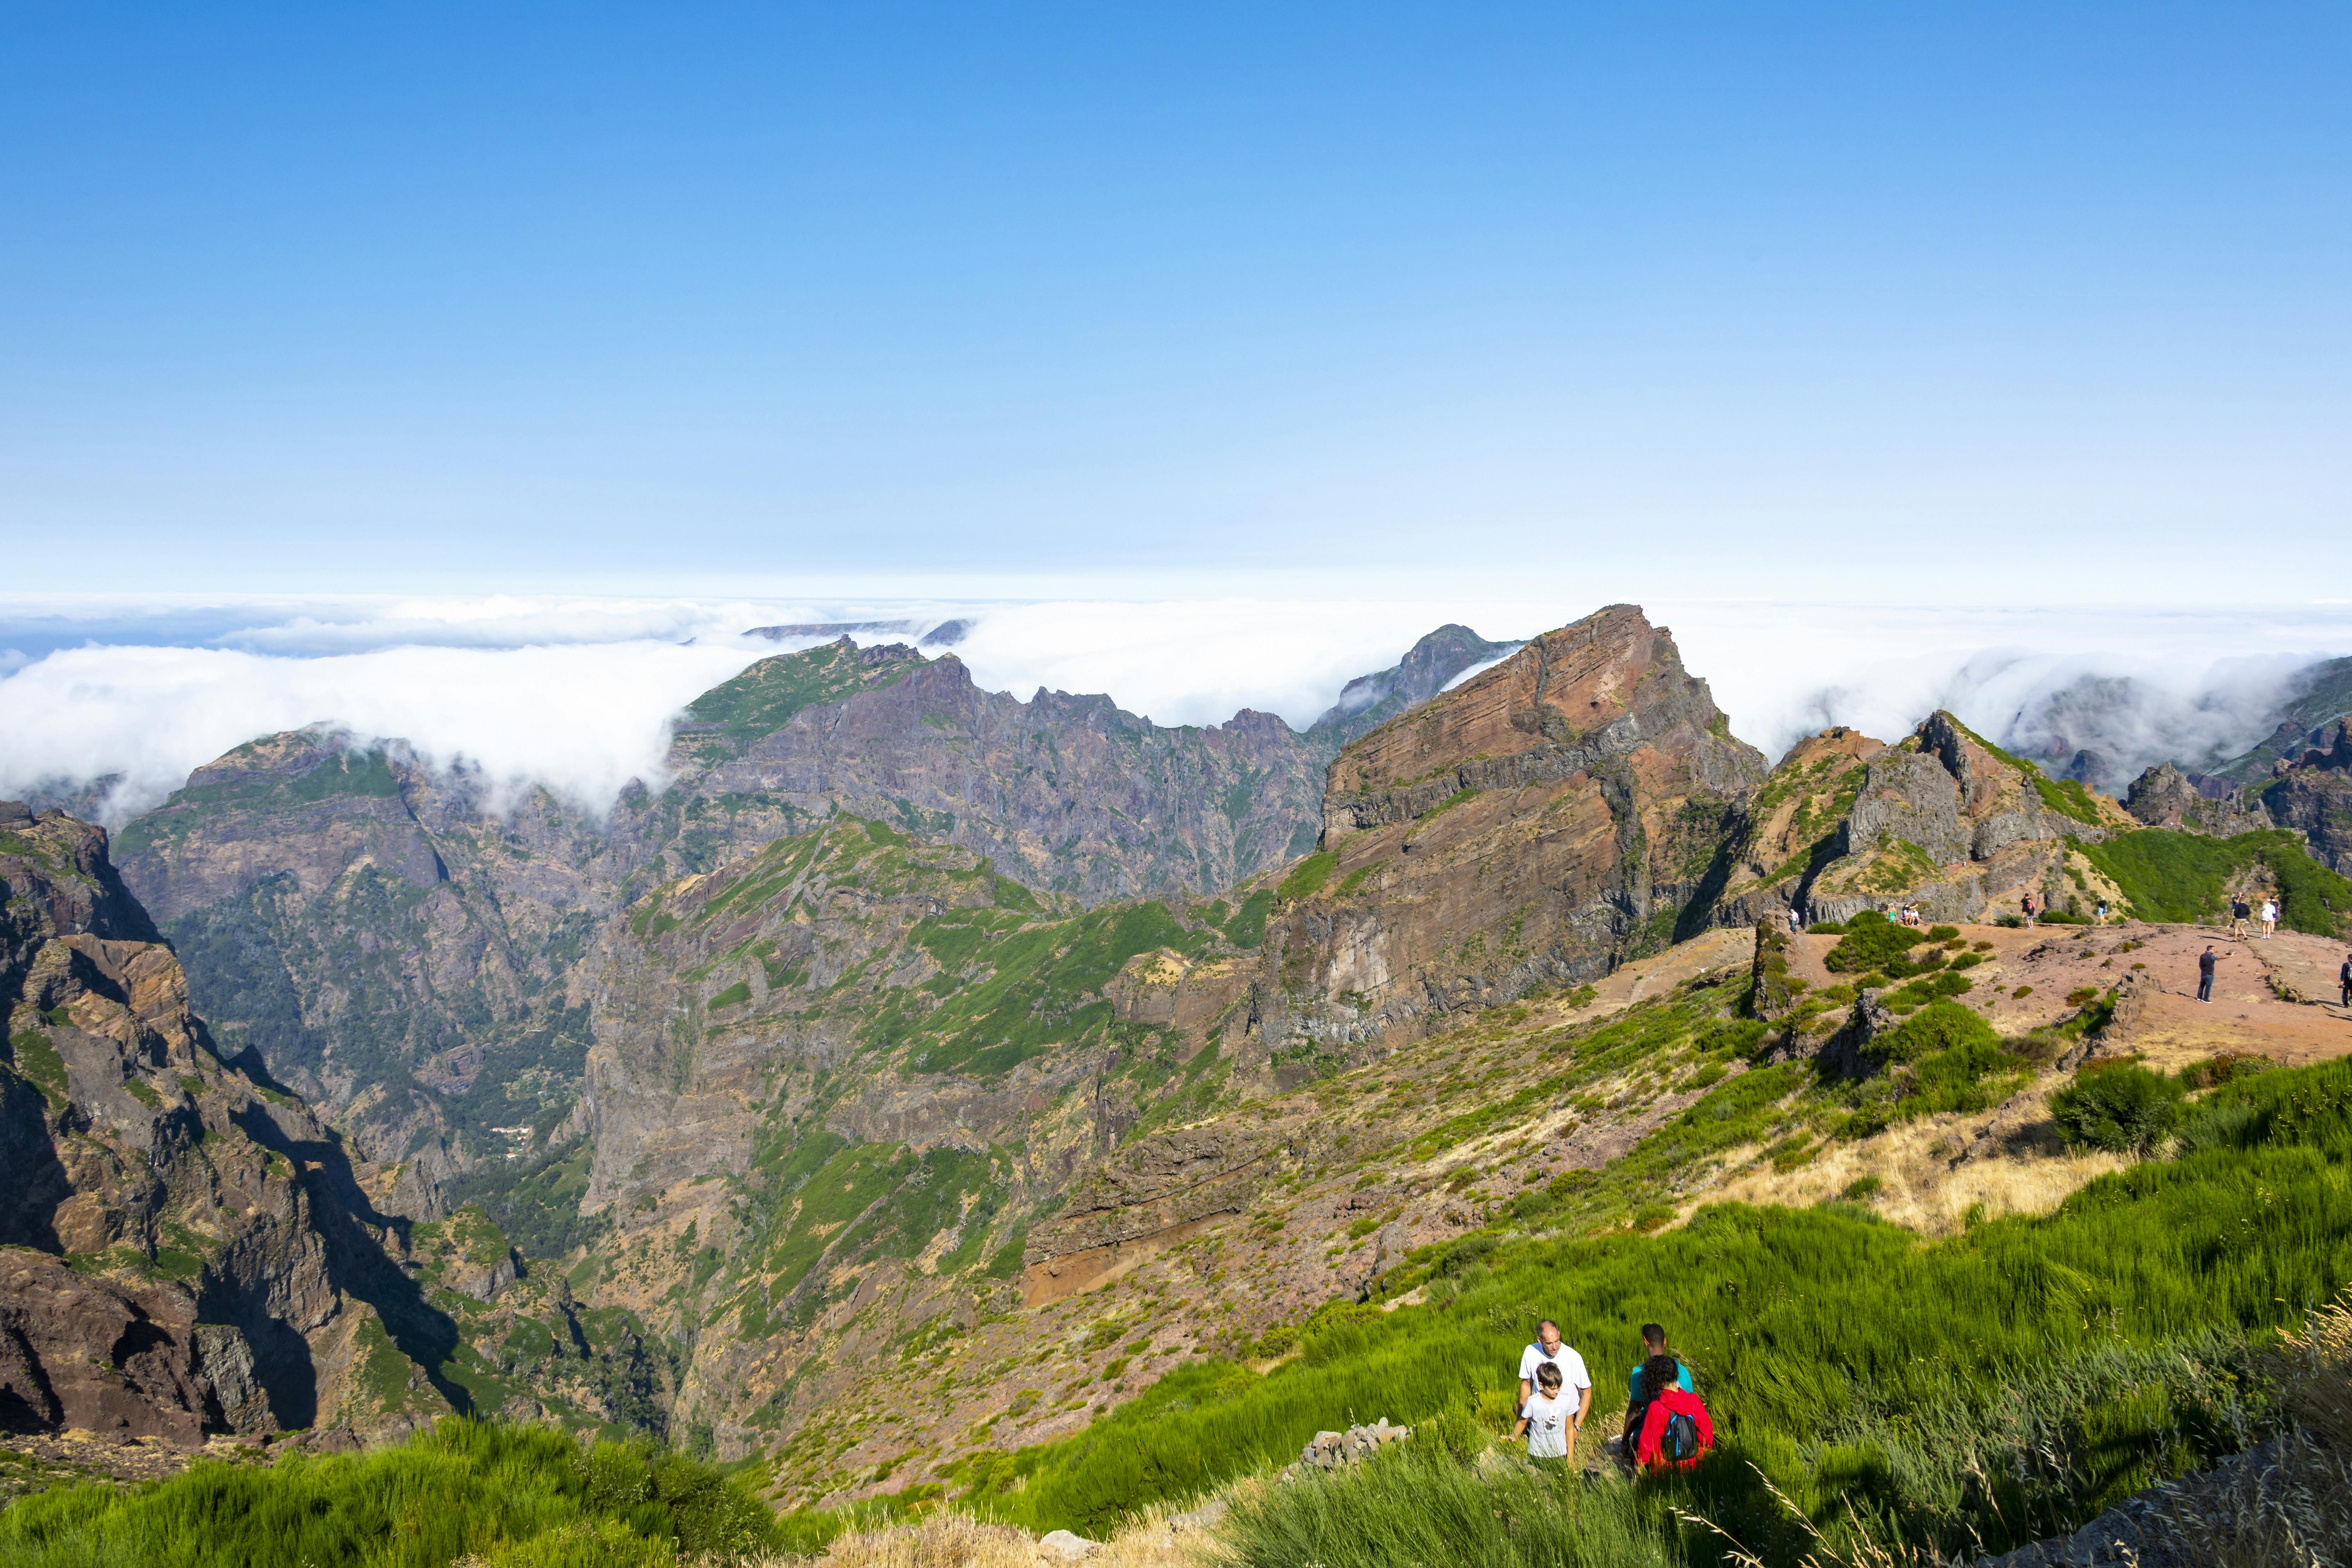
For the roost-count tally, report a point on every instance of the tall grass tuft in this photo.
(1418, 1506)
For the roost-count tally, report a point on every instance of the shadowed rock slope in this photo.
(186, 1250)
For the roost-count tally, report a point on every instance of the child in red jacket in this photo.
(1676, 1430)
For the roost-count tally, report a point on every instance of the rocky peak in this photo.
(1535, 825)
(1370, 701)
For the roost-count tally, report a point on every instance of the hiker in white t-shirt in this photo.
(1549, 1419)
(1576, 1385)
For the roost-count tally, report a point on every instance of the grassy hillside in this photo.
(2077, 1357)
(2186, 876)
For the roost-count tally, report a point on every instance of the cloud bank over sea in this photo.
(580, 693)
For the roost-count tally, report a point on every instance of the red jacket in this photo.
(1672, 1402)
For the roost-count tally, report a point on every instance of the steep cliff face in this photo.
(1535, 826)
(403, 946)
(187, 1250)
(2311, 793)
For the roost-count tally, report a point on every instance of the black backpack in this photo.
(1679, 1442)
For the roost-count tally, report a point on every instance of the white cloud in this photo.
(579, 692)
(585, 719)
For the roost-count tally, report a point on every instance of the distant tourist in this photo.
(1795, 925)
(1548, 1351)
(1654, 1345)
(2028, 905)
(1549, 1419)
(2270, 918)
(1676, 1431)
(2238, 913)
(2102, 911)
(2344, 979)
(2205, 962)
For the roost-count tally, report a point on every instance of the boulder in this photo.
(1061, 1546)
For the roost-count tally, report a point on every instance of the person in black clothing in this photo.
(2343, 978)
(2205, 962)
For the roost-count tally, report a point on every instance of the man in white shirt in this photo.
(1575, 1384)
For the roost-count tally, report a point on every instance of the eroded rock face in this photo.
(2313, 795)
(180, 1246)
(2164, 796)
(1535, 826)
(1939, 820)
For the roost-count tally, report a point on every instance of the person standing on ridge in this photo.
(1576, 1382)
(2205, 962)
(2238, 913)
(2344, 979)
(2270, 919)
(2026, 903)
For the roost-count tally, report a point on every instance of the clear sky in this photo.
(1896, 302)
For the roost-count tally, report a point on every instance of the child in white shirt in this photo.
(1550, 1420)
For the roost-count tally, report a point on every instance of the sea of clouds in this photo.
(580, 693)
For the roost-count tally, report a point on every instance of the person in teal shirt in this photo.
(1653, 1340)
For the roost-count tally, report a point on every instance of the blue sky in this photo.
(1900, 303)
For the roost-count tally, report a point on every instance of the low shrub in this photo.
(2217, 1070)
(2124, 1109)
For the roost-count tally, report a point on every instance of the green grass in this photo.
(35, 1057)
(766, 697)
(1806, 1322)
(1418, 1504)
(1307, 878)
(520, 1497)
(2185, 877)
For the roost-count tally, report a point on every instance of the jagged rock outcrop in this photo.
(187, 1250)
(1941, 820)
(1536, 825)
(2312, 795)
(2164, 796)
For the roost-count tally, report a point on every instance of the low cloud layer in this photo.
(580, 693)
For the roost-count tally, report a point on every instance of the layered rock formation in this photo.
(1536, 825)
(187, 1249)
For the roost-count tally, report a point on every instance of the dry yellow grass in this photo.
(1921, 1189)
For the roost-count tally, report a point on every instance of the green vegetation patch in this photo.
(521, 1497)
(1307, 878)
(2185, 877)
(35, 1057)
(766, 697)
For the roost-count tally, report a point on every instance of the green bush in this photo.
(1801, 1322)
(2124, 1109)
(1872, 942)
(1938, 1026)
(516, 1495)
